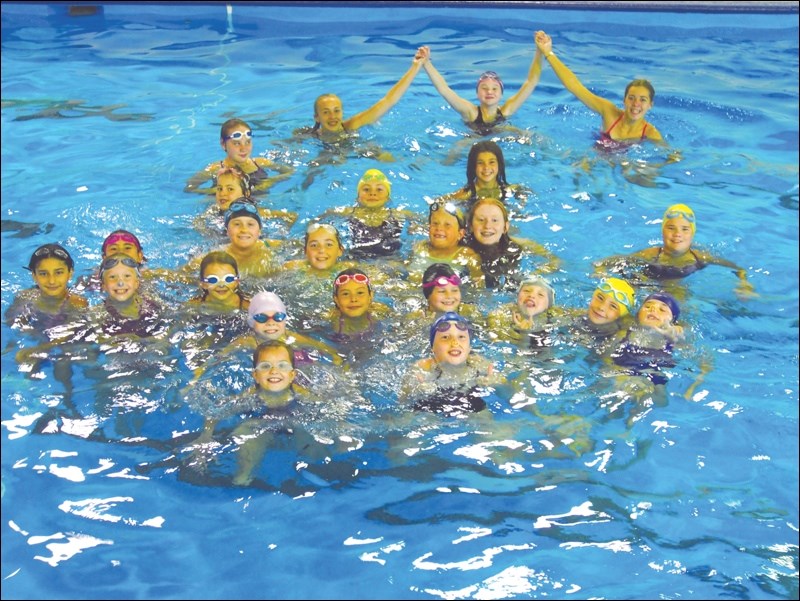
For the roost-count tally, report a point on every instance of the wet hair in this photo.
(434, 271)
(48, 251)
(230, 125)
(270, 344)
(241, 177)
(326, 226)
(322, 97)
(644, 84)
(472, 162)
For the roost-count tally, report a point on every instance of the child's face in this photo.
(51, 276)
(273, 372)
(270, 329)
(353, 298)
(678, 235)
(121, 282)
(489, 92)
(244, 232)
(329, 114)
(373, 195)
(486, 168)
(229, 188)
(444, 230)
(445, 298)
(125, 248)
(603, 308)
(533, 299)
(638, 102)
(218, 289)
(654, 314)
(452, 346)
(322, 249)
(238, 150)
(488, 224)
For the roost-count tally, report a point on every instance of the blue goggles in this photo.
(264, 318)
(673, 214)
(112, 262)
(214, 279)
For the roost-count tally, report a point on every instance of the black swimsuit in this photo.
(658, 271)
(480, 127)
(499, 262)
(644, 361)
(369, 242)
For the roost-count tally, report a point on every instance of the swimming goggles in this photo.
(374, 177)
(50, 251)
(122, 237)
(313, 227)
(490, 75)
(449, 207)
(214, 279)
(238, 135)
(444, 325)
(356, 277)
(443, 281)
(112, 262)
(280, 366)
(673, 214)
(621, 298)
(243, 206)
(264, 318)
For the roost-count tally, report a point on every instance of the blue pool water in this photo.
(104, 118)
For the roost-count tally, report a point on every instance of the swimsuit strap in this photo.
(613, 125)
(644, 131)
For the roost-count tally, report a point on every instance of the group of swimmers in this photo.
(354, 276)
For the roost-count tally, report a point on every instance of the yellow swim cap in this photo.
(375, 175)
(680, 210)
(621, 291)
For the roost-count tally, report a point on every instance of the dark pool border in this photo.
(759, 7)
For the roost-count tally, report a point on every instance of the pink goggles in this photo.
(122, 237)
(443, 281)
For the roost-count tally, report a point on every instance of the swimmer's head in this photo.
(490, 75)
(125, 242)
(352, 293)
(448, 321)
(232, 125)
(641, 83)
(265, 303)
(375, 176)
(242, 207)
(328, 113)
(488, 221)
(620, 291)
(668, 300)
(438, 275)
(230, 184)
(482, 148)
(540, 282)
(47, 251)
(273, 366)
(680, 210)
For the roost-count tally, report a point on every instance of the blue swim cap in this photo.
(441, 324)
(668, 300)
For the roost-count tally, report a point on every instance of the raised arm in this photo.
(380, 108)
(467, 110)
(534, 73)
(594, 102)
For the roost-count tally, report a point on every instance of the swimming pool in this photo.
(104, 118)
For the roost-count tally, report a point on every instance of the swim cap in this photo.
(47, 251)
(461, 323)
(120, 236)
(536, 280)
(681, 210)
(241, 207)
(668, 300)
(375, 175)
(264, 302)
(490, 75)
(622, 292)
(433, 274)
